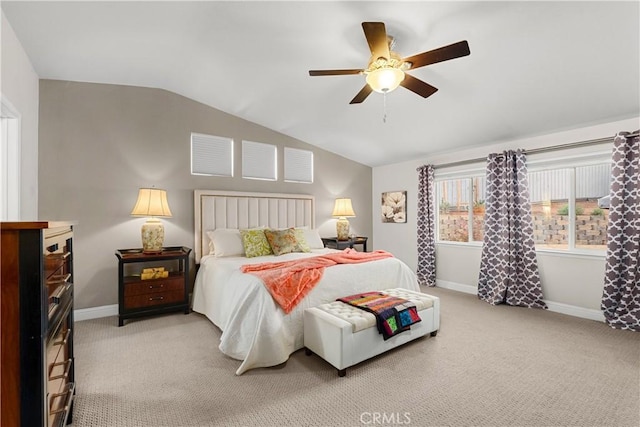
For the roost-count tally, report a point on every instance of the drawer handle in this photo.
(59, 278)
(56, 297)
(156, 286)
(60, 256)
(64, 339)
(65, 374)
(156, 298)
(67, 402)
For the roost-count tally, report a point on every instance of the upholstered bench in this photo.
(344, 335)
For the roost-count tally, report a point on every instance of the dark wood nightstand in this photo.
(137, 297)
(334, 243)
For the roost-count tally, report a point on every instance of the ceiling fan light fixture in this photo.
(384, 79)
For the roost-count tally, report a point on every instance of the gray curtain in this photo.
(426, 228)
(508, 267)
(621, 295)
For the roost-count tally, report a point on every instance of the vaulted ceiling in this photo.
(534, 68)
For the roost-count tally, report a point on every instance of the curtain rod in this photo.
(539, 150)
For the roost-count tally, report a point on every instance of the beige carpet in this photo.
(488, 366)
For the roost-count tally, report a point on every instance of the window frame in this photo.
(10, 161)
(572, 162)
(471, 173)
(534, 164)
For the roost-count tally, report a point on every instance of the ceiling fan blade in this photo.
(418, 86)
(445, 53)
(362, 95)
(376, 35)
(333, 72)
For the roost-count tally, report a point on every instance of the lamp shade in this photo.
(152, 202)
(343, 208)
(385, 79)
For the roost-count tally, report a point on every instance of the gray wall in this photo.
(99, 143)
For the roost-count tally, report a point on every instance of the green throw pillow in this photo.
(255, 243)
(283, 241)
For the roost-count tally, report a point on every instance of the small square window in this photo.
(259, 161)
(298, 165)
(211, 155)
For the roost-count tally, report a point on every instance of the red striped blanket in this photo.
(393, 315)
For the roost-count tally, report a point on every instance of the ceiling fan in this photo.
(387, 70)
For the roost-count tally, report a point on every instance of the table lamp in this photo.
(152, 203)
(342, 210)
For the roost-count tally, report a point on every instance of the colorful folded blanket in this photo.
(393, 315)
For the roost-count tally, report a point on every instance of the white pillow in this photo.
(313, 238)
(226, 242)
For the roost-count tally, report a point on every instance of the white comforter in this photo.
(254, 328)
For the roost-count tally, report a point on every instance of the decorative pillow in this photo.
(302, 241)
(283, 241)
(255, 242)
(313, 239)
(226, 242)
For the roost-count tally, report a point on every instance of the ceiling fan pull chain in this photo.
(384, 106)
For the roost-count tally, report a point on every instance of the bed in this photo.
(255, 330)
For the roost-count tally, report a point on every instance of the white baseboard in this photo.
(95, 312)
(556, 307)
(467, 289)
(572, 310)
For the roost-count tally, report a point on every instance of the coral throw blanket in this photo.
(289, 282)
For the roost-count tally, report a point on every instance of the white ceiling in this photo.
(534, 68)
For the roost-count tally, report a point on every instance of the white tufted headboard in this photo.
(232, 209)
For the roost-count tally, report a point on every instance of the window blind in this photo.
(211, 155)
(298, 165)
(259, 161)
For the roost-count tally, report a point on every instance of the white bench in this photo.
(344, 335)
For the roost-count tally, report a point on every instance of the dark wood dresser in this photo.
(36, 317)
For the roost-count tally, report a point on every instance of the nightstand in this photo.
(334, 243)
(137, 297)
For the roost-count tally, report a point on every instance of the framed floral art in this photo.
(394, 206)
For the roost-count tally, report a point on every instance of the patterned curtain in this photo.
(508, 267)
(621, 296)
(426, 229)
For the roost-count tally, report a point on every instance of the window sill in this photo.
(572, 254)
(544, 252)
(461, 244)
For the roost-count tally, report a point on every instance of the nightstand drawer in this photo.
(153, 299)
(143, 287)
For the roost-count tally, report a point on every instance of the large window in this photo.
(565, 208)
(461, 209)
(568, 207)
